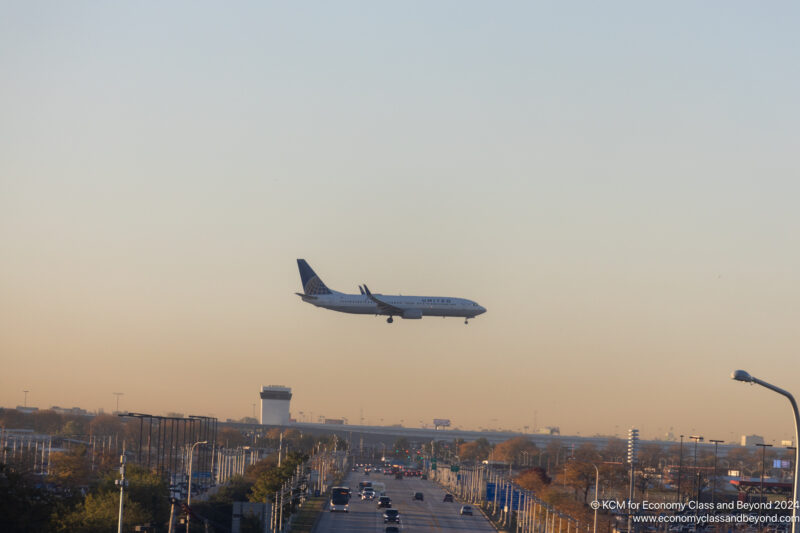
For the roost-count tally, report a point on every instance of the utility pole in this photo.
(25, 403)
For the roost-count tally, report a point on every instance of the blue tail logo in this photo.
(311, 282)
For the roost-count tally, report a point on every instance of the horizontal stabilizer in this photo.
(306, 296)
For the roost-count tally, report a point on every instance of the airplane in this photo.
(366, 303)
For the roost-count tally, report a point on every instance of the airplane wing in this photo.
(383, 306)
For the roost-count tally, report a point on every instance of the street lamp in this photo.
(696, 439)
(596, 498)
(189, 490)
(118, 394)
(763, 459)
(714, 485)
(741, 375)
(680, 468)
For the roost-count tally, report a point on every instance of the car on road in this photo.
(448, 498)
(384, 502)
(466, 510)
(367, 494)
(391, 515)
(419, 496)
(398, 475)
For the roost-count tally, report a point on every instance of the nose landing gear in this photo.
(390, 320)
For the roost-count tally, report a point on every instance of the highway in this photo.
(430, 515)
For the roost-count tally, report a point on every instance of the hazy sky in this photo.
(617, 182)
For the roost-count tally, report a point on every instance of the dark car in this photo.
(391, 515)
(466, 510)
(448, 498)
(398, 475)
(419, 496)
(384, 502)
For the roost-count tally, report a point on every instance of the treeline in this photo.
(79, 492)
(521, 451)
(564, 476)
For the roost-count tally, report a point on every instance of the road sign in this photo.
(517, 497)
(455, 468)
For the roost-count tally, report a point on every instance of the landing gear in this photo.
(390, 320)
(466, 321)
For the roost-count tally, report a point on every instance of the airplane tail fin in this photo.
(312, 284)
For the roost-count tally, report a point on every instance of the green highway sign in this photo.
(455, 468)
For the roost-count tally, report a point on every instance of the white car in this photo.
(368, 494)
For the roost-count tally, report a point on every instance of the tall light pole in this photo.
(696, 439)
(763, 459)
(741, 375)
(714, 485)
(189, 490)
(680, 469)
(25, 404)
(633, 449)
(117, 394)
(596, 497)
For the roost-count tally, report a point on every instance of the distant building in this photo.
(339, 421)
(752, 440)
(27, 410)
(275, 401)
(787, 443)
(549, 431)
(69, 411)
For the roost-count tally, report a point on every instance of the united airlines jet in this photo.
(367, 303)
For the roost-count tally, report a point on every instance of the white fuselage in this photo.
(361, 304)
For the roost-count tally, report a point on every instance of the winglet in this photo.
(360, 288)
(366, 291)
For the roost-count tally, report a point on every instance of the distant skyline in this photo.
(616, 183)
(313, 417)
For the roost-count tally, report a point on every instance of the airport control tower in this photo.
(275, 405)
